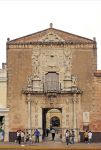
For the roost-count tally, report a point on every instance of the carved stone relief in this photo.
(67, 110)
(36, 112)
(28, 97)
(51, 60)
(67, 62)
(75, 98)
(51, 37)
(74, 80)
(29, 80)
(35, 63)
(45, 59)
(85, 117)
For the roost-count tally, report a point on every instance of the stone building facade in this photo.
(52, 83)
(4, 120)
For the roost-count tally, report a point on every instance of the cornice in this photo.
(50, 42)
(71, 44)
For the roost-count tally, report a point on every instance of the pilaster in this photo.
(29, 109)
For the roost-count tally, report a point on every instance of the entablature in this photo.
(71, 44)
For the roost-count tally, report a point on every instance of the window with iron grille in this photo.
(51, 82)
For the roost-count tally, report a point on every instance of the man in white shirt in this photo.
(90, 137)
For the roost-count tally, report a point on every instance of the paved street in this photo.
(50, 145)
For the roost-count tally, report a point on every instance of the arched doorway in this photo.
(55, 122)
(52, 118)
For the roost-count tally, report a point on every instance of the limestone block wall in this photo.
(19, 67)
(95, 119)
(84, 67)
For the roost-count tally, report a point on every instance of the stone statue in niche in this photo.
(74, 80)
(28, 97)
(29, 80)
(68, 63)
(67, 60)
(35, 65)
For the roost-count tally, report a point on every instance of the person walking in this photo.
(72, 136)
(53, 134)
(47, 132)
(90, 137)
(37, 134)
(67, 135)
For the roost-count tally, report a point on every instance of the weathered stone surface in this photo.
(73, 58)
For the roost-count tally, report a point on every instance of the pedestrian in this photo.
(1, 135)
(37, 134)
(27, 136)
(90, 137)
(86, 136)
(67, 135)
(22, 136)
(72, 136)
(19, 136)
(47, 132)
(53, 134)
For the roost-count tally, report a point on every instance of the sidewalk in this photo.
(50, 145)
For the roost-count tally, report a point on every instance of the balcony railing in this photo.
(52, 87)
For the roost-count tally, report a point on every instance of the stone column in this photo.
(36, 114)
(29, 110)
(40, 122)
(6, 128)
(64, 127)
(75, 109)
(79, 116)
(38, 118)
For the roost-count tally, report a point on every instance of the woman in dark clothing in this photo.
(19, 137)
(67, 135)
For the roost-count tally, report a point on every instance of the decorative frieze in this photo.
(76, 45)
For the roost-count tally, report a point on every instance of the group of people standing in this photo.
(88, 137)
(22, 137)
(70, 135)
